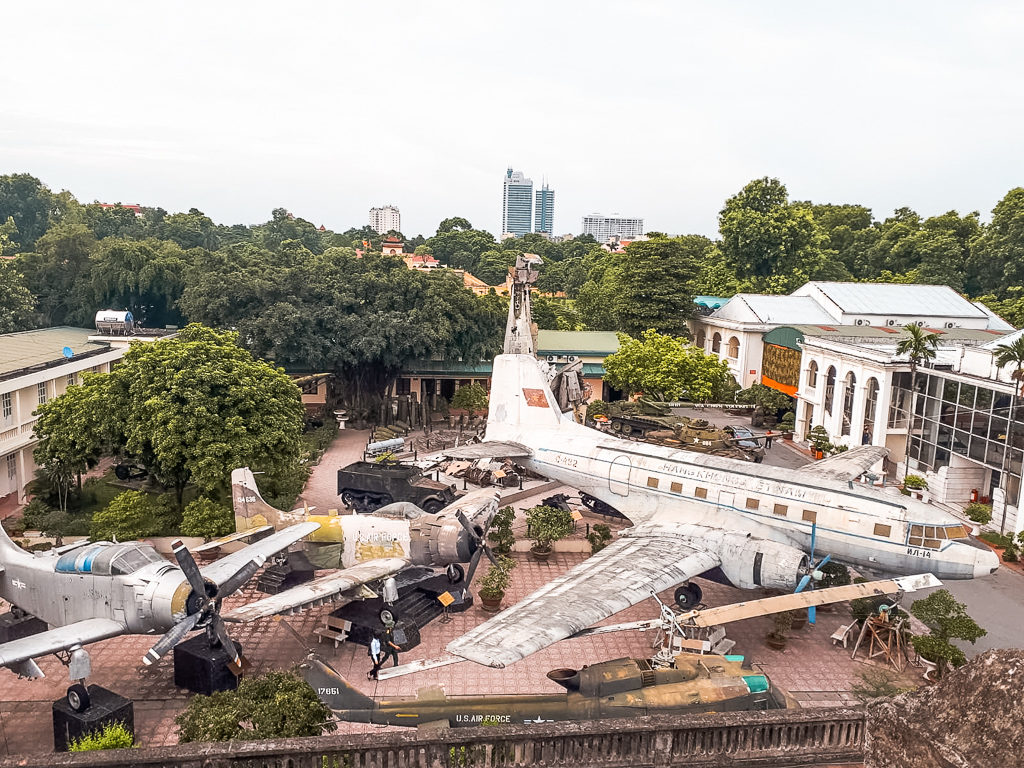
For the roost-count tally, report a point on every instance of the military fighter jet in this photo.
(748, 525)
(366, 548)
(619, 688)
(92, 591)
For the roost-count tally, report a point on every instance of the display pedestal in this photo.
(106, 707)
(16, 627)
(278, 577)
(202, 669)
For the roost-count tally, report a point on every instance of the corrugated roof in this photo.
(876, 333)
(577, 342)
(43, 347)
(995, 322)
(776, 309)
(896, 299)
(1005, 339)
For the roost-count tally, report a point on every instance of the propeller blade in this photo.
(188, 565)
(473, 563)
(221, 633)
(466, 524)
(490, 555)
(812, 614)
(242, 575)
(171, 638)
(824, 560)
(814, 536)
(804, 581)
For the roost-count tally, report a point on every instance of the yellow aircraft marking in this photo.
(367, 550)
(401, 714)
(330, 530)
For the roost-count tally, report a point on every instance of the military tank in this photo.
(366, 486)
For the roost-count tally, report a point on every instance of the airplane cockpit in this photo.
(106, 559)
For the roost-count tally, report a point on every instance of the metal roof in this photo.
(1005, 339)
(44, 347)
(595, 343)
(774, 309)
(895, 299)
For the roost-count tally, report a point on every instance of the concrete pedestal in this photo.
(105, 707)
(202, 669)
(16, 627)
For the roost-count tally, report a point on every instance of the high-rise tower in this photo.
(385, 219)
(516, 204)
(544, 211)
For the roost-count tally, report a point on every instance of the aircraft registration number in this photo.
(918, 552)
(328, 691)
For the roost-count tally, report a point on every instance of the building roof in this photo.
(893, 299)
(711, 302)
(44, 347)
(995, 322)
(595, 343)
(1008, 338)
(761, 308)
(878, 335)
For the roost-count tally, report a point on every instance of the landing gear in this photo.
(78, 698)
(456, 573)
(688, 596)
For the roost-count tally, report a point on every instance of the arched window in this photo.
(849, 388)
(702, 339)
(812, 375)
(830, 388)
(716, 343)
(870, 403)
(734, 347)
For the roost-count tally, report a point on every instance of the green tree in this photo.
(997, 256)
(8, 237)
(129, 516)
(767, 399)
(917, 345)
(947, 620)
(458, 245)
(277, 705)
(206, 518)
(1006, 355)
(664, 368)
(58, 273)
(146, 277)
(17, 304)
(30, 204)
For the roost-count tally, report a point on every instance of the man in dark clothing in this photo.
(390, 646)
(768, 439)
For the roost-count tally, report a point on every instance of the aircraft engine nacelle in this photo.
(748, 562)
(439, 540)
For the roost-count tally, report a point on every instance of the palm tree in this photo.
(1010, 354)
(918, 345)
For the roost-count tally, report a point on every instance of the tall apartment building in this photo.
(544, 211)
(517, 204)
(616, 225)
(385, 219)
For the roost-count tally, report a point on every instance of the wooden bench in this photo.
(842, 635)
(334, 629)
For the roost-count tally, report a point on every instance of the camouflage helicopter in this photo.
(618, 688)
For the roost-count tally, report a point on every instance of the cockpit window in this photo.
(133, 559)
(107, 559)
(931, 536)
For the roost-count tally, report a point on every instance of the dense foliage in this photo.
(665, 368)
(947, 619)
(114, 735)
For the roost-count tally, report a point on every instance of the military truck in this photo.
(365, 486)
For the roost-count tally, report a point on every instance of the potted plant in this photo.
(781, 624)
(547, 525)
(798, 618)
(787, 425)
(599, 538)
(495, 582)
(500, 534)
(916, 484)
(819, 441)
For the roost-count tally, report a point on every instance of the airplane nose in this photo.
(985, 563)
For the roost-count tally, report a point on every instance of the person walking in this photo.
(374, 651)
(768, 439)
(390, 646)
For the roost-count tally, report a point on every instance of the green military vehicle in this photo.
(365, 486)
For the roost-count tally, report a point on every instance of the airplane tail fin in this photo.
(334, 690)
(251, 511)
(521, 400)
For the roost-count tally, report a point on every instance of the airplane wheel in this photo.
(688, 596)
(78, 697)
(456, 573)
(432, 507)
(388, 616)
(348, 499)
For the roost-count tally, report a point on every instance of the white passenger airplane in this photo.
(694, 513)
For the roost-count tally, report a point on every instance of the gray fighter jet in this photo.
(92, 591)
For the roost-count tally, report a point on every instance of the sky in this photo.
(647, 108)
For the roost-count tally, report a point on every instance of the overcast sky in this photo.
(653, 109)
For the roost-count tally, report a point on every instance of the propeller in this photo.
(814, 574)
(479, 537)
(203, 606)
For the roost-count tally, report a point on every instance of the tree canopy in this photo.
(663, 367)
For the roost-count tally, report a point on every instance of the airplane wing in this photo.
(59, 639)
(322, 590)
(491, 450)
(848, 465)
(236, 536)
(227, 566)
(620, 575)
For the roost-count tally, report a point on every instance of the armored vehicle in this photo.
(655, 423)
(366, 486)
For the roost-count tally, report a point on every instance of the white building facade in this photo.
(605, 227)
(516, 204)
(385, 219)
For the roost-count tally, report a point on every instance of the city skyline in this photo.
(640, 150)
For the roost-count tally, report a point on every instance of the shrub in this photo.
(978, 512)
(496, 580)
(597, 408)
(1011, 554)
(206, 518)
(111, 736)
(788, 423)
(947, 619)
(471, 397)
(876, 684)
(131, 515)
(599, 537)
(548, 525)
(915, 483)
(500, 533)
(277, 705)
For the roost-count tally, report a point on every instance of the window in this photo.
(830, 388)
(753, 504)
(652, 482)
(700, 493)
(849, 389)
(41, 389)
(883, 530)
(923, 536)
(956, 532)
(812, 375)
(702, 338)
(716, 343)
(810, 516)
(780, 510)
(12, 467)
(677, 487)
(72, 379)
(6, 407)
(734, 347)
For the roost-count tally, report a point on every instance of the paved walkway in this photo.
(321, 489)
